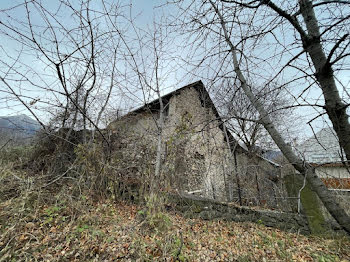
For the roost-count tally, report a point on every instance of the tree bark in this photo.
(334, 106)
(159, 140)
(311, 40)
(230, 171)
(155, 182)
(316, 183)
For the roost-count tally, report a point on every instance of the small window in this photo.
(166, 111)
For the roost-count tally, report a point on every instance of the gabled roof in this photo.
(154, 104)
(207, 102)
(323, 148)
(198, 86)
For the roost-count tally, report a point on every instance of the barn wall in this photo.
(196, 155)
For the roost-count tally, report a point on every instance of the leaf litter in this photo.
(108, 231)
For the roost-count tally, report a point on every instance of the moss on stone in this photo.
(196, 208)
(310, 203)
(313, 210)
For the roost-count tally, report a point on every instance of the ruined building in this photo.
(199, 156)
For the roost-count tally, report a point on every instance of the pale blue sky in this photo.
(144, 11)
(147, 11)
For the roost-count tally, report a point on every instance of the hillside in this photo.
(18, 128)
(43, 222)
(107, 231)
(47, 216)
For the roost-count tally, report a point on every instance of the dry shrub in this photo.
(93, 168)
(11, 181)
(54, 153)
(13, 177)
(121, 168)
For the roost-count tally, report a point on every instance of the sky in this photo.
(146, 12)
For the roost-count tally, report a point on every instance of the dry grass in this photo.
(84, 230)
(64, 223)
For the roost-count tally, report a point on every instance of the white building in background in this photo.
(325, 154)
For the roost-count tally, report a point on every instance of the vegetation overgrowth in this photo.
(59, 221)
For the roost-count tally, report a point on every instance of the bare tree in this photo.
(249, 41)
(75, 66)
(62, 68)
(243, 120)
(66, 67)
(148, 54)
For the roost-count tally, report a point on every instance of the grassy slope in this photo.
(104, 231)
(61, 223)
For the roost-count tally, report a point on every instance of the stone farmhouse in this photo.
(199, 155)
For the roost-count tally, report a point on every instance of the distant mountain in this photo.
(20, 126)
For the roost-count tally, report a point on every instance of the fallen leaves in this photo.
(109, 232)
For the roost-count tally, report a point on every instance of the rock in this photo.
(30, 225)
(209, 209)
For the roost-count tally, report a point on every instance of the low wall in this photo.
(319, 220)
(207, 209)
(343, 199)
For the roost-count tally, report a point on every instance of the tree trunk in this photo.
(335, 108)
(155, 182)
(237, 178)
(229, 182)
(316, 183)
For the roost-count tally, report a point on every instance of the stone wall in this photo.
(195, 129)
(196, 155)
(260, 182)
(343, 199)
(208, 209)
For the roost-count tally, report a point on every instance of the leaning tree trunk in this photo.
(316, 183)
(311, 39)
(334, 106)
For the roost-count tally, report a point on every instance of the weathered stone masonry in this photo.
(197, 157)
(208, 209)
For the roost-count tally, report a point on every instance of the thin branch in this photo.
(337, 44)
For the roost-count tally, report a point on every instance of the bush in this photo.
(16, 154)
